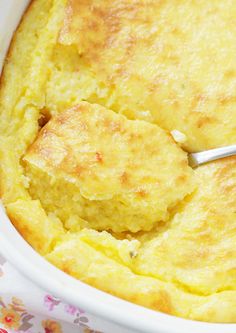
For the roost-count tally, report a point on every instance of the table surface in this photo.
(25, 308)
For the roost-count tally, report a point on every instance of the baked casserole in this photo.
(100, 102)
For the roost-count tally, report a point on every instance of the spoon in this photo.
(196, 159)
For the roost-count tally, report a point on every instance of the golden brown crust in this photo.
(156, 49)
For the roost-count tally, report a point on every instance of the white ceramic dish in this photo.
(108, 314)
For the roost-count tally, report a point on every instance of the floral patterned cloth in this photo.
(24, 308)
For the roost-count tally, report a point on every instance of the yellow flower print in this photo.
(88, 330)
(9, 318)
(51, 326)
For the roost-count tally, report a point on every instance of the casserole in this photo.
(17, 251)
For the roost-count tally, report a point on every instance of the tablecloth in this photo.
(25, 308)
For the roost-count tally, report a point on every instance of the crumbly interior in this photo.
(89, 172)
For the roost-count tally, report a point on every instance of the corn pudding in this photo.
(100, 102)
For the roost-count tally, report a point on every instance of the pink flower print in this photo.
(50, 302)
(71, 309)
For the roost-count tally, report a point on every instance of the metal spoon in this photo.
(196, 159)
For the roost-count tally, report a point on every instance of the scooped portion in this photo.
(92, 166)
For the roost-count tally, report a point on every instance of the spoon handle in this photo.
(196, 159)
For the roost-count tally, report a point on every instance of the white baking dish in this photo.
(108, 314)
